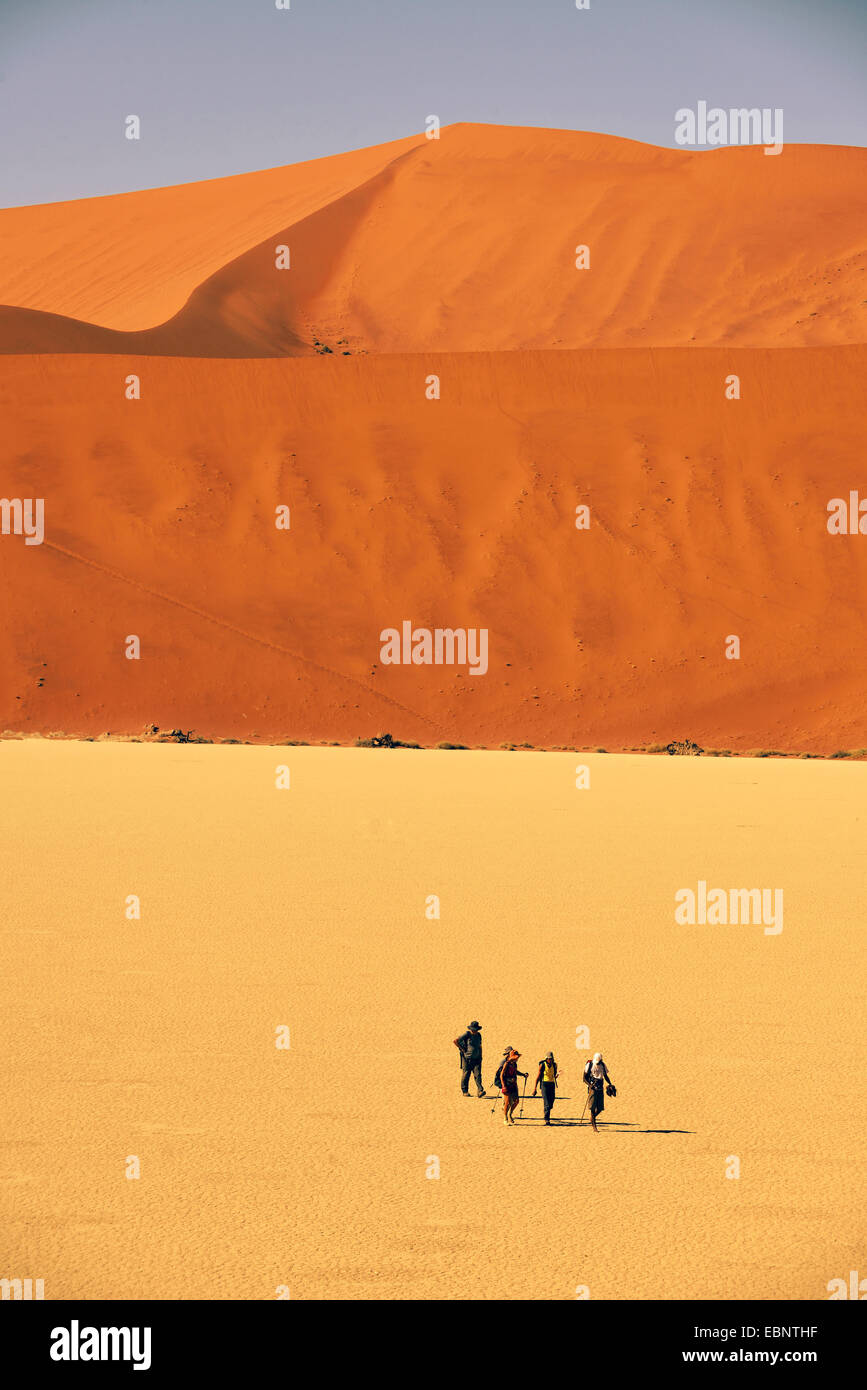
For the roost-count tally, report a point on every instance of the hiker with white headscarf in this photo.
(599, 1084)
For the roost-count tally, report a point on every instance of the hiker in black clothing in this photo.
(546, 1077)
(469, 1044)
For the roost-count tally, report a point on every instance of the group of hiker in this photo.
(595, 1077)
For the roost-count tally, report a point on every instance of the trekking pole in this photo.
(586, 1098)
(521, 1116)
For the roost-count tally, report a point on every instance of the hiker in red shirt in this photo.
(509, 1085)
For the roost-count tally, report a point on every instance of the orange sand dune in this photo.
(465, 243)
(708, 518)
(131, 261)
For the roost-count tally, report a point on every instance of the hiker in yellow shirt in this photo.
(546, 1077)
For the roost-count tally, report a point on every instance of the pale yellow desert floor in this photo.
(306, 907)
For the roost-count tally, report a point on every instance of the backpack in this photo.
(498, 1072)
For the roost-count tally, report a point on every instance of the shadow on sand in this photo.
(624, 1126)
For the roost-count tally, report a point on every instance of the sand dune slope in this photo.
(707, 520)
(465, 243)
(131, 261)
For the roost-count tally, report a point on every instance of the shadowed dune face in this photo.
(131, 261)
(708, 518)
(462, 244)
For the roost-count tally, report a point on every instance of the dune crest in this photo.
(466, 243)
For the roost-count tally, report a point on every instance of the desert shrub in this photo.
(382, 741)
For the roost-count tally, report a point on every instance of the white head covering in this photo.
(597, 1058)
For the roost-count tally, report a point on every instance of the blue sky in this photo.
(227, 86)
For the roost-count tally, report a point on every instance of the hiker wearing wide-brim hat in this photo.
(469, 1045)
(509, 1085)
(599, 1084)
(546, 1077)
